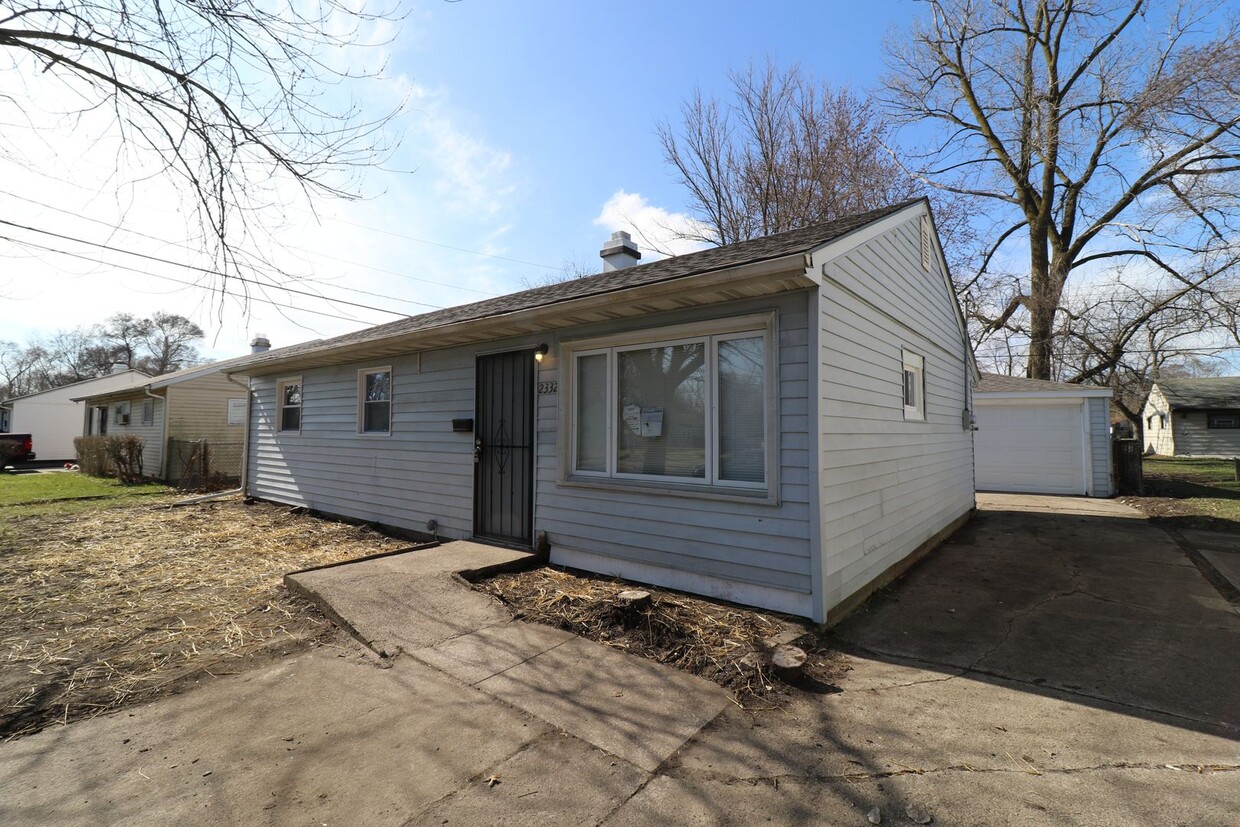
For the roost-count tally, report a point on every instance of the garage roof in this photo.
(1199, 394)
(996, 385)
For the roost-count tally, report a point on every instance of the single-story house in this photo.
(1193, 417)
(54, 417)
(782, 422)
(173, 410)
(1041, 437)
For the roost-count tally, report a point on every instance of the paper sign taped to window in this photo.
(652, 422)
(633, 418)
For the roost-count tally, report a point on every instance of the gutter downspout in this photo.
(163, 431)
(245, 433)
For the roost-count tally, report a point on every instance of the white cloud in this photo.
(657, 231)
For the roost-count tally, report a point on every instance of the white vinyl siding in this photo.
(425, 471)
(888, 485)
(53, 419)
(710, 542)
(1161, 437)
(1194, 437)
(1099, 416)
(732, 547)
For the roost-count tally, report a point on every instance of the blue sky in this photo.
(529, 136)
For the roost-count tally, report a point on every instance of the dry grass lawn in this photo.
(115, 602)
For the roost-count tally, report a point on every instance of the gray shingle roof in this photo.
(705, 261)
(1197, 394)
(998, 383)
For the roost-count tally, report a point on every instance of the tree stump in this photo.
(788, 661)
(633, 599)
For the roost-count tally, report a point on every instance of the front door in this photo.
(504, 448)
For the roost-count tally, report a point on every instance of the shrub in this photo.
(92, 455)
(125, 455)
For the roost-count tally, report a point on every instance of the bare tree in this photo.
(781, 152)
(1096, 130)
(231, 97)
(170, 342)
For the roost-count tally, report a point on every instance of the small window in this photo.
(914, 386)
(1223, 420)
(288, 395)
(374, 401)
(236, 411)
(120, 415)
(1150, 420)
(148, 412)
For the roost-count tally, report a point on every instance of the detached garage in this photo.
(1040, 437)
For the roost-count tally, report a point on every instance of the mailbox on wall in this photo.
(463, 426)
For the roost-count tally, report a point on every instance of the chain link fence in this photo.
(202, 465)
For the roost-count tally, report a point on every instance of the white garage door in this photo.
(1030, 448)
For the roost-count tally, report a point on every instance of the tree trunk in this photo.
(1041, 307)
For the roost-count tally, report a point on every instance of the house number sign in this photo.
(548, 387)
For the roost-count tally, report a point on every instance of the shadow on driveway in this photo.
(1106, 608)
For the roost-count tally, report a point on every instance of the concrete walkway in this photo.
(419, 604)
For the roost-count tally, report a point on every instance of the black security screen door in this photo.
(504, 448)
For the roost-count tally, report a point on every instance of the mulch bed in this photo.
(726, 644)
(115, 606)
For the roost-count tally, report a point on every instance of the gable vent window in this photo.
(926, 248)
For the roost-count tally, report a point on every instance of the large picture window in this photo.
(676, 408)
(374, 401)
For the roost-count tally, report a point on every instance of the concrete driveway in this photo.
(1060, 661)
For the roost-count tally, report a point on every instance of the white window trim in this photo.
(361, 400)
(301, 419)
(711, 332)
(229, 411)
(916, 363)
(148, 404)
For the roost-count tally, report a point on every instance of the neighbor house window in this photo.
(148, 412)
(681, 405)
(374, 401)
(236, 411)
(1223, 420)
(121, 413)
(914, 386)
(288, 396)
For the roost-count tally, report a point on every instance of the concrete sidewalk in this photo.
(419, 604)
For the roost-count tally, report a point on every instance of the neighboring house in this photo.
(189, 405)
(54, 417)
(1193, 417)
(781, 422)
(1042, 437)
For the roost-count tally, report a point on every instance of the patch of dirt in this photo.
(722, 643)
(124, 603)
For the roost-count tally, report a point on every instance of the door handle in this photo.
(477, 450)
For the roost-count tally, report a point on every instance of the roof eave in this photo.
(550, 317)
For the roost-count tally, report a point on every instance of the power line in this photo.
(487, 293)
(205, 270)
(259, 299)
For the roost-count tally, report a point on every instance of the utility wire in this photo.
(260, 299)
(486, 293)
(205, 270)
